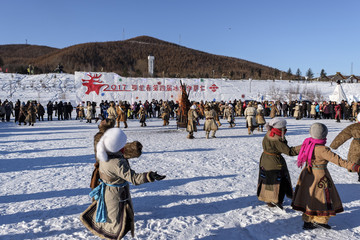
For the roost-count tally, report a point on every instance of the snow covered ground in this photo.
(209, 192)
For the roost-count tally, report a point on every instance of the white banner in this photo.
(97, 86)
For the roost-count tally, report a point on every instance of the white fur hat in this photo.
(278, 123)
(113, 140)
(358, 117)
(260, 107)
(193, 107)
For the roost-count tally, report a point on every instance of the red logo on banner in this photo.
(90, 84)
(213, 88)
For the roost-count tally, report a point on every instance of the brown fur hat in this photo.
(106, 124)
(133, 150)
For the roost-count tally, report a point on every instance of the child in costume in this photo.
(274, 178)
(315, 193)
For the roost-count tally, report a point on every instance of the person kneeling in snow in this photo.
(111, 216)
(315, 193)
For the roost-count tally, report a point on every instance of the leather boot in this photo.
(125, 123)
(207, 135)
(213, 134)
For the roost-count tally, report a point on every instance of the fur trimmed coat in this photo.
(250, 116)
(210, 120)
(260, 119)
(119, 207)
(192, 116)
(121, 115)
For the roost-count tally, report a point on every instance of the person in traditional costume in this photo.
(250, 116)
(351, 131)
(121, 115)
(297, 112)
(165, 113)
(274, 178)
(260, 117)
(89, 112)
(192, 120)
(142, 116)
(210, 121)
(23, 113)
(229, 114)
(31, 114)
(274, 110)
(111, 111)
(81, 112)
(103, 126)
(315, 193)
(111, 216)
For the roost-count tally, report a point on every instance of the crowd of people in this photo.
(31, 111)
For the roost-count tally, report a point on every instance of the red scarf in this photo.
(276, 131)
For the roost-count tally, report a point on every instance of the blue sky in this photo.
(316, 34)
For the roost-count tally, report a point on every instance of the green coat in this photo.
(273, 171)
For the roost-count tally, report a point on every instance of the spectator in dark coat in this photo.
(60, 110)
(17, 110)
(50, 109)
(69, 110)
(40, 111)
(8, 110)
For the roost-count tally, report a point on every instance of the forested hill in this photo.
(129, 58)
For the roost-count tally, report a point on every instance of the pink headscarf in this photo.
(307, 149)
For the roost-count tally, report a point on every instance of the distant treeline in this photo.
(129, 58)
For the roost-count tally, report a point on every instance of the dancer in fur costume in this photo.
(210, 121)
(260, 117)
(142, 116)
(111, 216)
(274, 179)
(315, 193)
(351, 131)
(192, 120)
(250, 116)
(121, 113)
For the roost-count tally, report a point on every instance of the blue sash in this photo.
(98, 194)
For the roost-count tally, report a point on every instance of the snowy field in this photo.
(209, 192)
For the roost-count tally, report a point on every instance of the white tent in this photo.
(338, 94)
